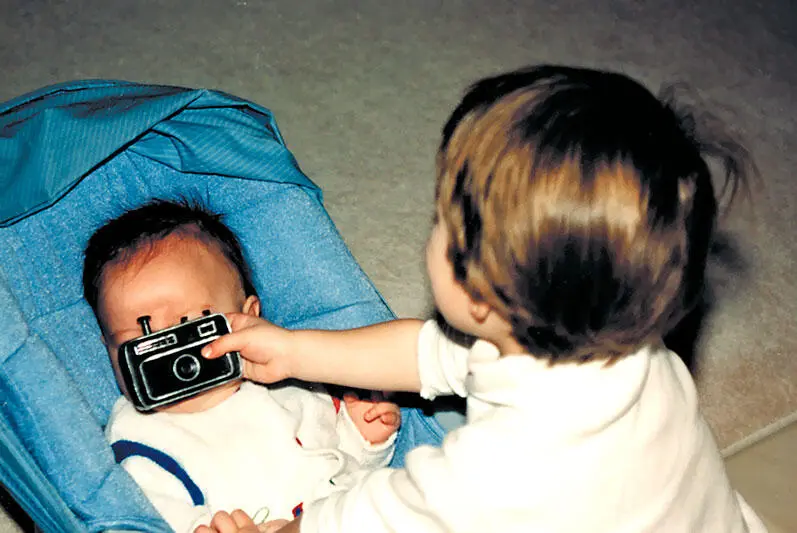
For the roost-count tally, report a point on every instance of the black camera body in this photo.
(166, 366)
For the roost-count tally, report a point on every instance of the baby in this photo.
(574, 216)
(269, 451)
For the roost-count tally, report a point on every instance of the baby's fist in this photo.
(375, 419)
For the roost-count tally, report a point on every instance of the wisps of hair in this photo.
(715, 141)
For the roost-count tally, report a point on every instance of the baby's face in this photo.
(178, 277)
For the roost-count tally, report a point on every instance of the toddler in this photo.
(574, 212)
(268, 451)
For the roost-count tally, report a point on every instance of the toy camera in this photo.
(166, 366)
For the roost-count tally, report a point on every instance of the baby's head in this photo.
(167, 260)
(578, 206)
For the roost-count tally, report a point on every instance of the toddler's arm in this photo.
(378, 357)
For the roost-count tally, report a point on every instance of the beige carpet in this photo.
(361, 89)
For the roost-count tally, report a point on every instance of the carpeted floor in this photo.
(361, 89)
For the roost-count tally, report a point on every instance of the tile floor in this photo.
(765, 473)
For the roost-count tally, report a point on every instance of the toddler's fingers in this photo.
(232, 342)
(245, 332)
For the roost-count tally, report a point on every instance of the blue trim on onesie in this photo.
(122, 449)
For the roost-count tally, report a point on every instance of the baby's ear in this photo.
(251, 306)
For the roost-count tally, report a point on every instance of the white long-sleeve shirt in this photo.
(261, 449)
(566, 448)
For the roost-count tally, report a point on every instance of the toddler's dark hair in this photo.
(122, 237)
(580, 207)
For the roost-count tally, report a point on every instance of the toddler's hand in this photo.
(264, 348)
(375, 419)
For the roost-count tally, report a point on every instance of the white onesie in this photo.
(263, 450)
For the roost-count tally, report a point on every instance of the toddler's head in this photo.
(579, 207)
(167, 260)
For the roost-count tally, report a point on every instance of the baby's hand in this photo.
(273, 526)
(264, 348)
(237, 522)
(375, 419)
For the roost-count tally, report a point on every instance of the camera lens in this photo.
(186, 367)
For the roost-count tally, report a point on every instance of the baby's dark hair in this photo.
(124, 236)
(580, 206)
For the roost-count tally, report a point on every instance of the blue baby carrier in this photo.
(73, 156)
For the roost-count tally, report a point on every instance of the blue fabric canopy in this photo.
(52, 138)
(73, 156)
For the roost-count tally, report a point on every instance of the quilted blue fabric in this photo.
(73, 156)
